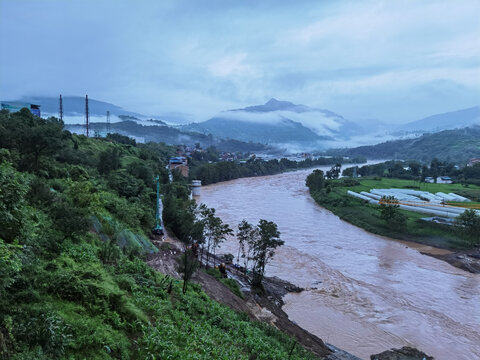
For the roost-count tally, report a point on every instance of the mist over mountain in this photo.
(456, 146)
(450, 120)
(279, 122)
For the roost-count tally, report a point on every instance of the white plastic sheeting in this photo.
(413, 200)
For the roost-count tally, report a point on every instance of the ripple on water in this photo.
(366, 293)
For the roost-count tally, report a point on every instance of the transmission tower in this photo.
(60, 110)
(86, 113)
(108, 122)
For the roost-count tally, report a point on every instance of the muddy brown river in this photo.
(365, 293)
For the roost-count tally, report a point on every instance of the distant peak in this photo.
(272, 101)
(275, 102)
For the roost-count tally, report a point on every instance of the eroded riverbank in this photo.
(365, 293)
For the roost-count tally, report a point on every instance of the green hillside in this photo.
(451, 145)
(158, 132)
(75, 219)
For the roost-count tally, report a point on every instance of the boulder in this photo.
(405, 353)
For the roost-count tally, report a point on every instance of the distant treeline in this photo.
(224, 171)
(453, 146)
(413, 170)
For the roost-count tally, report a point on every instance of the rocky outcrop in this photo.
(405, 353)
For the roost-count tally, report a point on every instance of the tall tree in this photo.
(264, 249)
(247, 236)
(215, 231)
(468, 224)
(190, 231)
(390, 212)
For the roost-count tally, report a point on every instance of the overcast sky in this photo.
(395, 61)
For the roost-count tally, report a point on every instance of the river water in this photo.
(365, 293)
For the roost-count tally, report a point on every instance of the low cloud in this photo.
(317, 121)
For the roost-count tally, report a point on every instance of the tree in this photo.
(32, 136)
(468, 223)
(435, 169)
(264, 249)
(108, 160)
(415, 168)
(190, 230)
(215, 231)
(315, 181)
(188, 263)
(390, 212)
(13, 190)
(247, 235)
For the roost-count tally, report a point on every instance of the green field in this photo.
(367, 216)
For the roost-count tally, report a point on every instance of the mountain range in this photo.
(281, 124)
(278, 122)
(457, 146)
(450, 120)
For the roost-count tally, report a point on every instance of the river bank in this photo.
(438, 240)
(363, 293)
(265, 307)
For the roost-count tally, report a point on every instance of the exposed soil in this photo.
(468, 260)
(405, 353)
(266, 308)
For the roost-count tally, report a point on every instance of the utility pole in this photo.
(86, 113)
(60, 110)
(108, 122)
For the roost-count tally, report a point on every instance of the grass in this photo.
(230, 283)
(367, 216)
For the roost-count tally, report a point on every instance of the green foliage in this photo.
(223, 171)
(187, 265)
(258, 243)
(109, 160)
(121, 139)
(367, 216)
(214, 230)
(10, 263)
(263, 249)
(232, 284)
(30, 136)
(468, 224)
(389, 211)
(73, 283)
(459, 145)
(315, 181)
(13, 190)
(124, 184)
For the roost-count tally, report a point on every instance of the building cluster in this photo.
(180, 163)
(185, 150)
(229, 156)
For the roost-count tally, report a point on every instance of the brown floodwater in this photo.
(365, 293)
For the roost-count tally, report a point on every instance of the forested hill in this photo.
(75, 219)
(456, 146)
(169, 135)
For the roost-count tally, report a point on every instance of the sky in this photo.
(394, 61)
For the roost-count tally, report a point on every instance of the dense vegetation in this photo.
(457, 146)
(75, 214)
(223, 171)
(387, 220)
(413, 170)
(159, 131)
